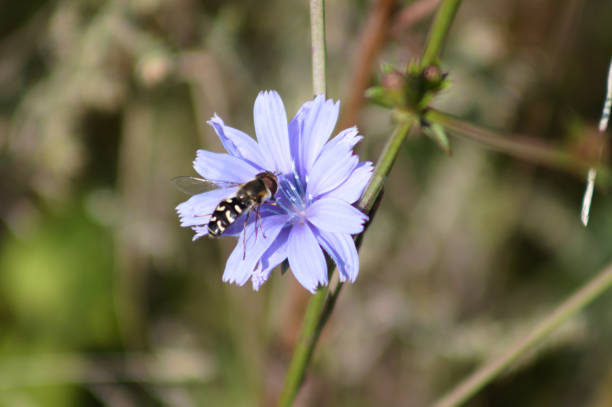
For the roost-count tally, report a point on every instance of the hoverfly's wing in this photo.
(195, 185)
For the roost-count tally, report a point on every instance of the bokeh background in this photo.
(105, 300)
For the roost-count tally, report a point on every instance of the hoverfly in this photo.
(249, 196)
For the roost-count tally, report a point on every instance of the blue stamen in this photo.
(290, 195)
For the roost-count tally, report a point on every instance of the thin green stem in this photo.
(384, 165)
(317, 32)
(313, 321)
(311, 329)
(490, 370)
(321, 306)
(330, 301)
(516, 146)
(442, 21)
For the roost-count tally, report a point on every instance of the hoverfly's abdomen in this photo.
(251, 194)
(225, 214)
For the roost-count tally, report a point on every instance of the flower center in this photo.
(291, 196)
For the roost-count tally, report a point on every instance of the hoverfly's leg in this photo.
(260, 224)
(257, 217)
(246, 219)
(202, 216)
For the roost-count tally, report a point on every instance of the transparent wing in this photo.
(195, 185)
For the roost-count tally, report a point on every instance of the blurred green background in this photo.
(104, 299)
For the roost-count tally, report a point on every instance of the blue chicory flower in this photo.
(318, 181)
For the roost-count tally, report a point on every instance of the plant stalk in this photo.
(490, 370)
(384, 165)
(437, 33)
(311, 326)
(317, 32)
(321, 305)
(516, 146)
(311, 329)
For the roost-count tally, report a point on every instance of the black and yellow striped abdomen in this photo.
(226, 213)
(249, 195)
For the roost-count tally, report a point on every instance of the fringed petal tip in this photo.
(200, 231)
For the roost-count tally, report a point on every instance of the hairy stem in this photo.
(490, 370)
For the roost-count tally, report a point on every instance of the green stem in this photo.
(490, 370)
(384, 164)
(313, 318)
(321, 306)
(330, 301)
(442, 21)
(317, 31)
(311, 329)
(519, 147)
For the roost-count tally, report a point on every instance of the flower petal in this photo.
(244, 258)
(352, 188)
(276, 253)
(197, 209)
(272, 132)
(319, 122)
(238, 143)
(331, 169)
(200, 231)
(306, 257)
(223, 169)
(347, 137)
(341, 248)
(336, 215)
(296, 126)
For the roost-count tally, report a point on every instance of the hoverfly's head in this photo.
(270, 181)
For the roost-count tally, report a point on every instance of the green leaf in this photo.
(436, 132)
(378, 95)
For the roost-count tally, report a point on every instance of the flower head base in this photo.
(318, 181)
